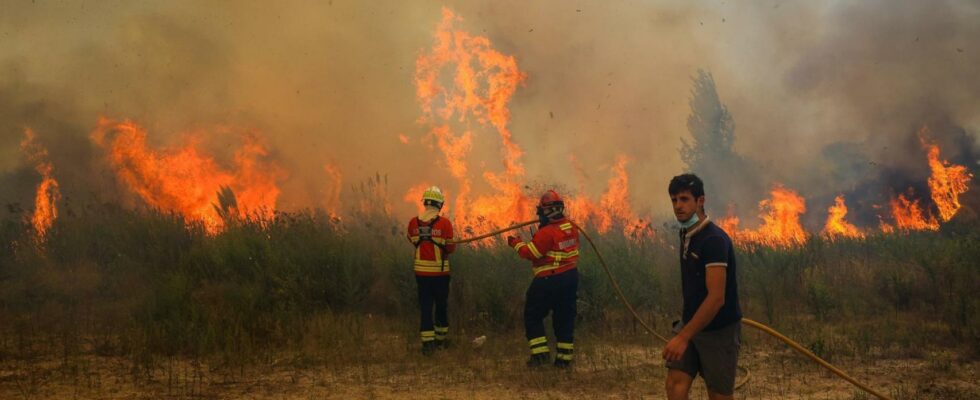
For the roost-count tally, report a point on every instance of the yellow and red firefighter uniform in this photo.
(430, 234)
(554, 252)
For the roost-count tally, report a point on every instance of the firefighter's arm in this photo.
(534, 249)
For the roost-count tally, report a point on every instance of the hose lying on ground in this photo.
(746, 321)
(814, 357)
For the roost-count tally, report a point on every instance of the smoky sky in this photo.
(814, 87)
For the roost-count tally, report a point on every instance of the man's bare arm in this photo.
(714, 278)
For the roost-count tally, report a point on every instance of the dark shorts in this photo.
(714, 355)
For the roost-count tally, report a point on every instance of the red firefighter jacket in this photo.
(553, 250)
(431, 247)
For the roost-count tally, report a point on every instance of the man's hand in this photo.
(675, 348)
(512, 241)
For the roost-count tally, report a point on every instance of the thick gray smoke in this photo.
(824, 95)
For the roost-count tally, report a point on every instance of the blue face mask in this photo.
(690, 222)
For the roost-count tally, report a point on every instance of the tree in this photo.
(711, 126)
(710, 151)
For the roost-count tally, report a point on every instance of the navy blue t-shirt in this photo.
(708, 246)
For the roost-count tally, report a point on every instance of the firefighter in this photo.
(430, 233)
(553, 252)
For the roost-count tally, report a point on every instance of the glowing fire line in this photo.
(48, 193)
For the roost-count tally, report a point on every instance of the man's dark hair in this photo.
(686, 183)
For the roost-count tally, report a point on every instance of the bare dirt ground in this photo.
(493, 371)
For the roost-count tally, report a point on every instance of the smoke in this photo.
(826, 96)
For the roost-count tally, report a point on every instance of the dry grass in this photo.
(388, 366)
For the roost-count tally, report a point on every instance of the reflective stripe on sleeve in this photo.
(534, 250)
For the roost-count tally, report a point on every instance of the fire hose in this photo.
(762, 327)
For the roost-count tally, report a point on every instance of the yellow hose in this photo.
(746, 321)
(810, 355)
(615, 285)
(496, 232)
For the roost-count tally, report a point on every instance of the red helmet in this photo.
(551, 207)
(550, 198)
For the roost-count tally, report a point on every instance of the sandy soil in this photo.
(608, 372)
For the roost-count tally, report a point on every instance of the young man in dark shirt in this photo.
(708, 339)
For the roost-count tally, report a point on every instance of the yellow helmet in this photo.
(433, 196)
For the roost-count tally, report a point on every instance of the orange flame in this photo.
(614, 203)
(836, 226)
(947, 182)
(613, 207)
(729, 224)
(484, 80)
(781, 221)
(910, 217)
(884, 226)
(45, 210)
(185, 181)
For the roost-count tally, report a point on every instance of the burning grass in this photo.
(184, 180)
(837, 225)
(48, 192)
(947, 181)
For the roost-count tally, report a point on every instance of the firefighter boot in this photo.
(564, 356)
(428, 348)
(538, 360)
(442, 337)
